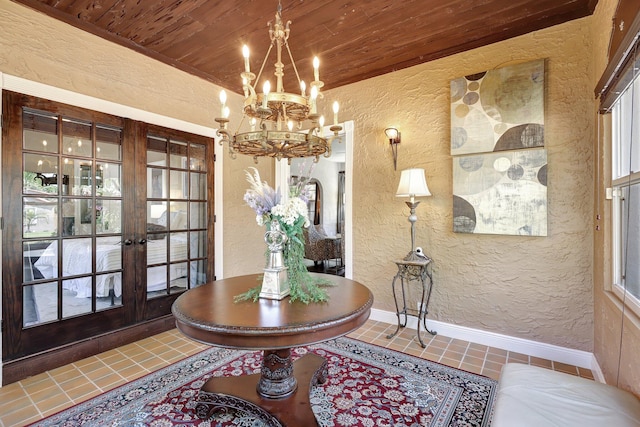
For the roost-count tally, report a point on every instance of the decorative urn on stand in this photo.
(285, 273)
(275, 284)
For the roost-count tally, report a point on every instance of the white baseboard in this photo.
(597, 372)
(570, 356)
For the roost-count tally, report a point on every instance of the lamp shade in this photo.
(392, 133)
(413, 183)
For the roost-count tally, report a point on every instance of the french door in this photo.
(106, 221)
(177, 215)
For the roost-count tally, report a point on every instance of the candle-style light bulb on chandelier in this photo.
(277, 117)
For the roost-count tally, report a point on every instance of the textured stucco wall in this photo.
(534, 288)
(243, 240)
(616, 337)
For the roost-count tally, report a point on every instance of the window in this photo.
(625, 154)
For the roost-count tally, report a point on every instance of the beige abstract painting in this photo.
(498, 110)
(501, 193)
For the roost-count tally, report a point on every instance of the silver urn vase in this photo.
(274, 282)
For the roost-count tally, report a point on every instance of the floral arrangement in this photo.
(291, 214)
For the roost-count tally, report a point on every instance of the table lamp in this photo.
(413, 184)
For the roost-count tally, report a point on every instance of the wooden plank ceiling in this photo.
(354, 40)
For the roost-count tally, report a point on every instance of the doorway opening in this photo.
(334, 210)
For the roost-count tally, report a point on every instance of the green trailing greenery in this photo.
(303, 286)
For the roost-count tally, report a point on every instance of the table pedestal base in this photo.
(277, 379)
(242, 393)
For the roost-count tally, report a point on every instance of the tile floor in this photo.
(36, 397)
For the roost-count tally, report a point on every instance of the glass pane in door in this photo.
(178, 244)
(198, 188)
(108, 179)
(39, 131)
(76, 138)
(156, 281)
(40, 174)
(197, 158)
(198, 273)
(156, 151)
(39, 304)
(157, 255)
(34, 254)
(39, 217)
(108, 143)
(178, 154)
(156, 184)
(74, 304)
(71, 170)
(109, 216)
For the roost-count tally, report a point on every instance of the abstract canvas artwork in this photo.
(501, 193)
(497, 110)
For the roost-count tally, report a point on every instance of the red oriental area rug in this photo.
(367, 386)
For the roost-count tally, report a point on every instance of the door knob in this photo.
(127, 242)
(142, 241)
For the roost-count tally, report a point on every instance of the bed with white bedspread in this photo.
(77, 261)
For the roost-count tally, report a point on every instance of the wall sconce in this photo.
(394, 139)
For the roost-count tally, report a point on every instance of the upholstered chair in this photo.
(318, 247)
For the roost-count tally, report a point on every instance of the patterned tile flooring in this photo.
(36, 397)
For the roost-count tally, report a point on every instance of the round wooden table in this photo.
(279, 394)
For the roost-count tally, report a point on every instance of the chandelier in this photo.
(277, 117)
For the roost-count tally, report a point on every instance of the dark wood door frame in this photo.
(122, 326)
